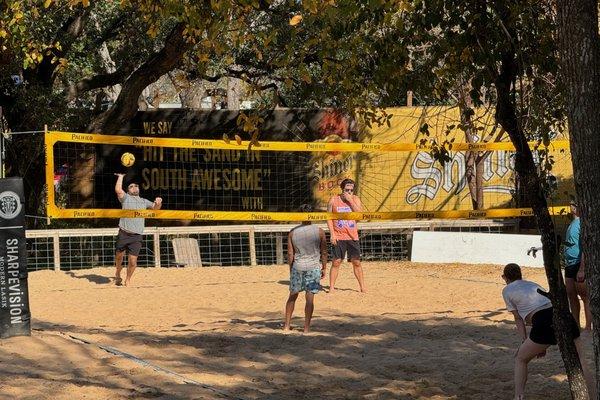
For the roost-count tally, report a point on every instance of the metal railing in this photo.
(228, 245)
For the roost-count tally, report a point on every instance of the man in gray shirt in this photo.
(130, 229)
(307, 257)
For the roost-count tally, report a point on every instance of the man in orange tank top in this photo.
(344, 234)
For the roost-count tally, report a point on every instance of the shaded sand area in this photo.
(423, 331)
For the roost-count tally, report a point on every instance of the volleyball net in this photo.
(203, 179)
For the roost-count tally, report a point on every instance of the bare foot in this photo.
(363, 290)
(118, 281)
(331, 290)
(306, 330)
(127, 283)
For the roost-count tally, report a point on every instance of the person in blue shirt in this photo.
(575, 270)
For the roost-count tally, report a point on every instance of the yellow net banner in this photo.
(394, 166)
(297, 216)
(57, 136)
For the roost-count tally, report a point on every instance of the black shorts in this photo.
(542, 330)
(571, 271)
(352, 247)
(132, 242)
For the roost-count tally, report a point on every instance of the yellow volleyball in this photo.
(127, 159)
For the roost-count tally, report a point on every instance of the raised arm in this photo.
(157, 203)
(332, 237)
(355, 203)
(119, 187)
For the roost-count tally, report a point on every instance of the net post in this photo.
(252, 240)
(156, 236)
(56, 250)
(47, 217)
(279, 248)
(49, 152)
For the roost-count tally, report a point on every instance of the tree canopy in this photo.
(60, 61)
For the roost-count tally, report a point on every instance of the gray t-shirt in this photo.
(134, 225)
(307, 247)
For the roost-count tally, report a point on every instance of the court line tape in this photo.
(55, 212)
(93, 138)
(148, 364)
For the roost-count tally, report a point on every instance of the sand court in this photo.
(424, 331)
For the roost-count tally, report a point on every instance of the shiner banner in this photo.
(15, 316)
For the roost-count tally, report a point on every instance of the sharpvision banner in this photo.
(14, 295)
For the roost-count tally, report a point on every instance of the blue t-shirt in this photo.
(572, 250)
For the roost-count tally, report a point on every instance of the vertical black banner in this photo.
(15, 317)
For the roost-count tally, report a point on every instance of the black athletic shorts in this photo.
(352, 247)
(132, 242)
(571, 271)
(542, 331)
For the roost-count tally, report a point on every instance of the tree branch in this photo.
(111, 31)
(70, 30)
(157, 65)
(96, 82)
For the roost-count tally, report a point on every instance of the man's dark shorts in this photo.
(352, 247)
(132, 242)
(571, 271)
(542, 331)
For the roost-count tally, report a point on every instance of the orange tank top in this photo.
(344, 229)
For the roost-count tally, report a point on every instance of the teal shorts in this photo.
(309, 281)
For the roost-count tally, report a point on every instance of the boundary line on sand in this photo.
(144, 363)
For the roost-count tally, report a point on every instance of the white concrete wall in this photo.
(475, 248)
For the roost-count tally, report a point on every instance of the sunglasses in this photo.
(348, 190)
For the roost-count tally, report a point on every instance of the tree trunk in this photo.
(529, 179)
(112, 92)
(579, 49)
(191, 97)
(234, 89)
(474, 161)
